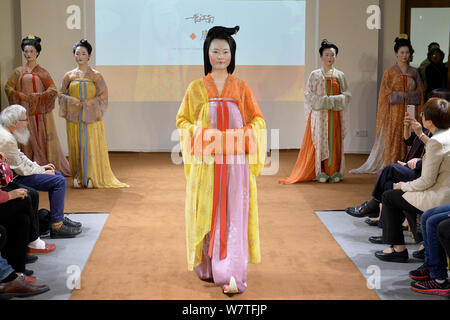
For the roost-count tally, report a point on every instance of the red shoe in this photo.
(49, 247)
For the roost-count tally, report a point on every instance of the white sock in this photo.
(37, 244)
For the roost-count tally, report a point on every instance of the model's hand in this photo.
(17, 193)
(3, 157)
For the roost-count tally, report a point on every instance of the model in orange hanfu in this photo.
(32, 87)
(401, 86)
(321, 154)
(221, 210)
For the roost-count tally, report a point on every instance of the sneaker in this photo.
(421, 273)
(431, 287)
(71, 223)
(65, 231)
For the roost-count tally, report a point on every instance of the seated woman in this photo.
(430, 190)
(408, 170)
(18, 214)
(431, 277)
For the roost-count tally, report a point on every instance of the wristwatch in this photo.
(423, 134)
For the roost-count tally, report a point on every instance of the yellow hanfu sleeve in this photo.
(199, 171)
(256, 159)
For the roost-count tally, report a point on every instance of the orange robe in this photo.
(396, 92)
(304, 168)
(36, 92)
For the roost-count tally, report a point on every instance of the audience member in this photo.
(14, 129)
(13, 284)
(425, 64)
(431, 277)
(408, 170)
(430, 190)
(436, 71)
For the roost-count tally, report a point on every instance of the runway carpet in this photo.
(141, 251)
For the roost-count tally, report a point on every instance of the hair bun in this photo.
(236, 29)
(83, 41)
(324, 42)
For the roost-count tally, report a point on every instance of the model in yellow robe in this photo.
(86, 137)
(193, 118)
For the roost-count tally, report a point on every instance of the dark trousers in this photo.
(394, 210)
(434, 253)
(443, 232)
(391, 174)
(34, 197)
(15, 218)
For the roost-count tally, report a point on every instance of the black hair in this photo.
(440, 93)
(432, 51)
(401, 42)
(82, 43)
(433, 44)
(325, 45)
(438, 111)
(32, 41)
(224, 34)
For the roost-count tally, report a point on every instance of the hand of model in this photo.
(3, 157)
(17, 193)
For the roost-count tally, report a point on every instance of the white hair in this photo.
(10, 115)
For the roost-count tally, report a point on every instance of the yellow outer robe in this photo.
(199, 169)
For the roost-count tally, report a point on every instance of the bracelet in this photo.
(423, 134)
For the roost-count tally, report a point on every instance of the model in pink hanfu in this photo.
(221, 204)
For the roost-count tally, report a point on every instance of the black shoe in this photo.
(28, 272)
(71, 223)
(419, 254)
(31, 259)
(362, 211)
(377, 240)
(421, 273)
(394, 256)
(65, 232)
(372, 223)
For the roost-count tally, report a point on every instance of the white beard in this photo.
(22, 135)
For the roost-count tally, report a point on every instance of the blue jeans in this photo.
(435, 256)
(5, 268)
(56, 187)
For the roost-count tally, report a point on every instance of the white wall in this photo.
(148, 126)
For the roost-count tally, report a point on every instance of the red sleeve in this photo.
(4, 196)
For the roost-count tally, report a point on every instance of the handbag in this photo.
(6, 175)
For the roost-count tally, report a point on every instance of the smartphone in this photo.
(411, 110)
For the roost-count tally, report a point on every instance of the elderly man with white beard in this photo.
(14, 129)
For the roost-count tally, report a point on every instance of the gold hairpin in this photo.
(403, 36)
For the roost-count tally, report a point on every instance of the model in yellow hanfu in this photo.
(83, 101)
(221, 201)
(32, 87)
